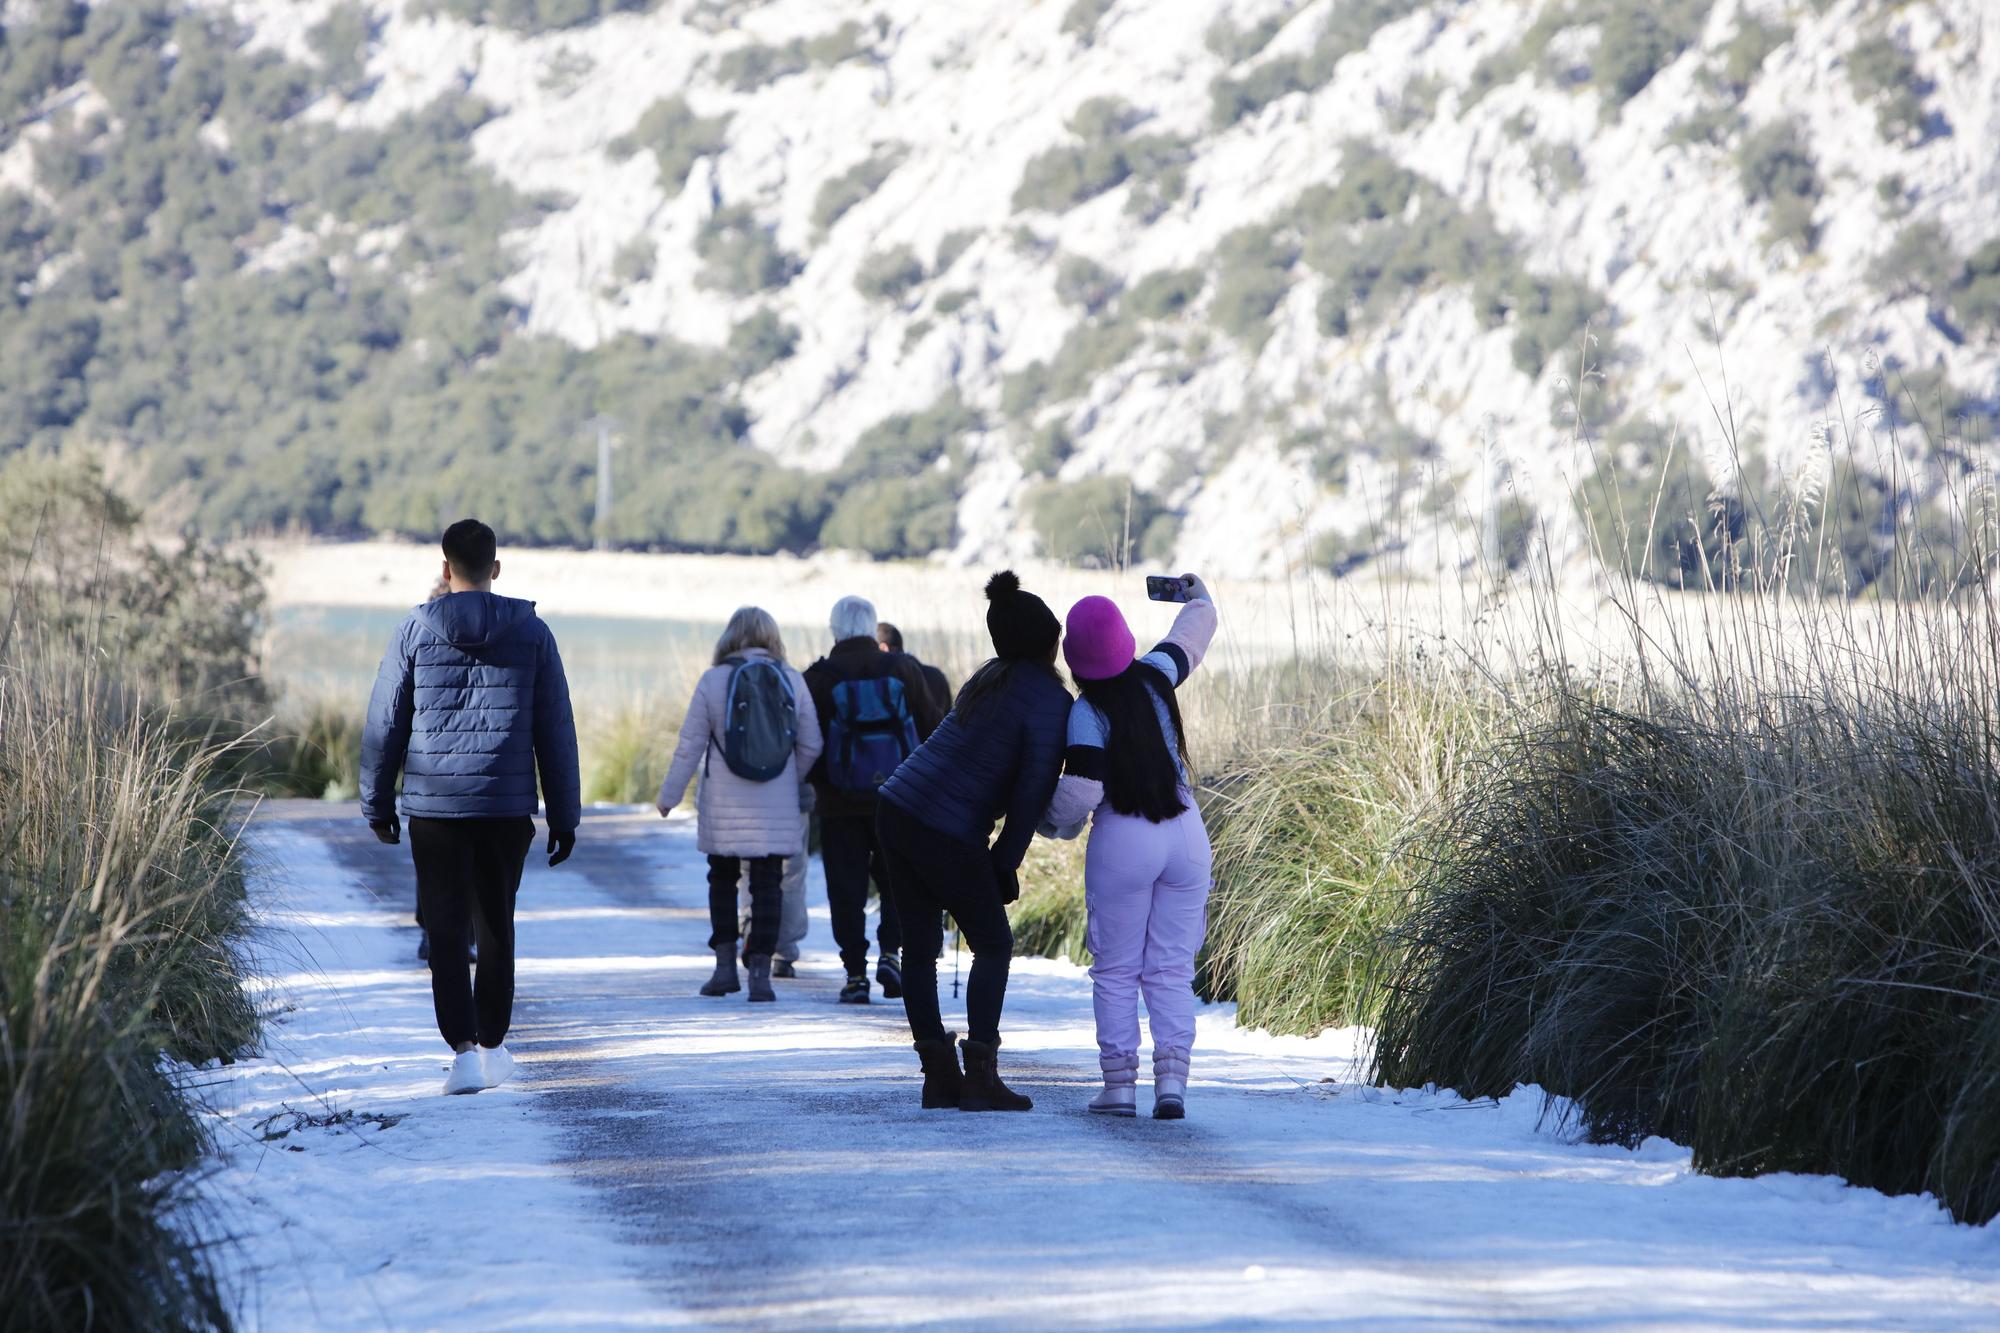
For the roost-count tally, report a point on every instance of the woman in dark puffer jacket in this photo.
(996, 756)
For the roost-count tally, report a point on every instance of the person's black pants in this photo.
(852, 856)
(930, 874)
(468, 872)
(766, 902)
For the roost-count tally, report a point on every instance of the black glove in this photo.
(560, 846)
(389, 830)
(1009, 880)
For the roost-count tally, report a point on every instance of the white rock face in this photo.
(970, 91)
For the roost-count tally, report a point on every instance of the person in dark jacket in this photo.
(471, 707)
(848, 848)
(890, 639)
(996, 757)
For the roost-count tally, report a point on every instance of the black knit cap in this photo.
(1021, 623)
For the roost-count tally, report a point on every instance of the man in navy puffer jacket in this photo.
(470, 706)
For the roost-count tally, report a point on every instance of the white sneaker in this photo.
(499, 1065)
(467, 1073)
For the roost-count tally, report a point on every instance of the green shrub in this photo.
(1253, 271)
(534, 16)
(1092, 346)
(951, 302)
(633, 264)
(1349, 27)
(1097, 522)
(1234, 45)
(756, 65)
(838, 194)
(761, 341)
(1885, 74)
(1080, 20)
(1635, 42)
(895, 519)
(1082, 281)
(1104, 156)
(1165, 293)
(951, 245)
(1919, 262)
(677, 138)
(1744, 54)
(1660, 519)
(1048, 449)
(1776, 167)
(314, 751)
(889, 275)
(341, 40)
(740, 254)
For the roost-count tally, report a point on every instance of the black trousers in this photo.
(767, 902)
(468, 872)
(930, 874)
(852, 855)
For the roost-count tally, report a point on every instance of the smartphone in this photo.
(1166, 588)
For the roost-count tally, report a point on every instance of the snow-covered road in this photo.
(670, 1160)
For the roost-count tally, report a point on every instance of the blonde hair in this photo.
(750, 627)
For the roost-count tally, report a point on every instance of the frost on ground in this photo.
(667, 1159)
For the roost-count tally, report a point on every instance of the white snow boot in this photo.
(468, 1073)
(723, 981)
(1121, 1086)
(1170, 1075)
(497, 1063)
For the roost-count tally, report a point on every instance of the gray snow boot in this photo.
(1170, 1075)
(758, 965)
(724, 981)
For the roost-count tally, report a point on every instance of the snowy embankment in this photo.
(665, 1159)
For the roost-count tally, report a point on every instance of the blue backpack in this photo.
(763, 719)
(870, 733)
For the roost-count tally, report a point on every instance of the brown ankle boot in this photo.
(982, 1089)
(941, 1077)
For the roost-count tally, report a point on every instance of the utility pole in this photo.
(601, 520)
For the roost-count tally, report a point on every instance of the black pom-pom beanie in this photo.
(1021, 623)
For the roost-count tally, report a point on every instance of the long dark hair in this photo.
(990, 682)
(1142, 775)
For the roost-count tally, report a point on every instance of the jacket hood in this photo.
(473, 619)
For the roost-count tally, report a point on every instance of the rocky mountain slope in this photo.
(1356, 282)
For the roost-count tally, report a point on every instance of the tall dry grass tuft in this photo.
(1738, 884)
(1309, 838)
(119, 894)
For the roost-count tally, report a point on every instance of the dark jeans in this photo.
(930, 874)
(468, 871)
(766, 902)
(852, 856)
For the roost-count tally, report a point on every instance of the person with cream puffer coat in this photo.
(739, 819)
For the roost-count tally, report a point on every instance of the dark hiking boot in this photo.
(889, 975)
(783, 968)
(759, 968)
(724, 981)
(982, 1089)
(942, 1080)
(856, 989)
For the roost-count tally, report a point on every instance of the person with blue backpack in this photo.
(876, 708)
(752, 734)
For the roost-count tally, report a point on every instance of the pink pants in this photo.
(1146, 887)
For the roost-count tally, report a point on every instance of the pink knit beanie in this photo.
(1098, 644)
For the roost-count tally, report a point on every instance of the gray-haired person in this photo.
(875, 708)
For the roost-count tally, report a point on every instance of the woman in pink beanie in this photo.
(1146, 870)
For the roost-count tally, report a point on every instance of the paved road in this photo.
(769, 1165)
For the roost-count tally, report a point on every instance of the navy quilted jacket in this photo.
(470, 703)
(1002, 763)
